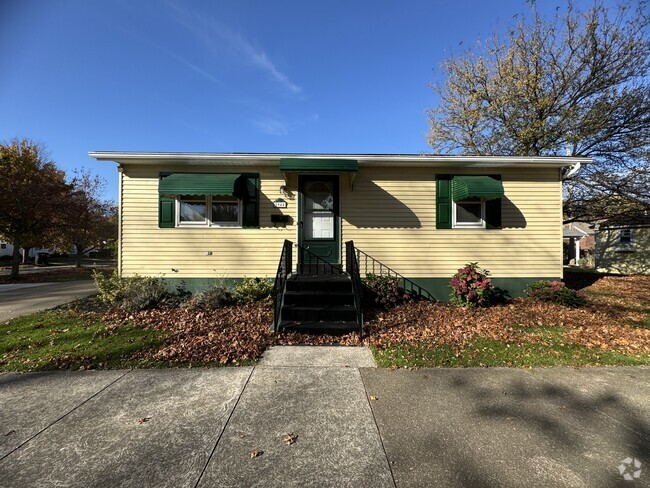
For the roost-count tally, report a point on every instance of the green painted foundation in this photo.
(515, 287)
(438, 287)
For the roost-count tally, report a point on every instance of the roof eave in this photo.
(252, 159)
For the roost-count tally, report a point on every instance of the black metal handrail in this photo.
(380, 269)
(310, 263)
(352, 268)
(284, 270)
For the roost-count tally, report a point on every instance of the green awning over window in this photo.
(198, 184)
(334, 165)
(463, 187)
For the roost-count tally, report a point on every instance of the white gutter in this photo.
(363, 159)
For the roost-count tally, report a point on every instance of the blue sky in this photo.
(241, 76)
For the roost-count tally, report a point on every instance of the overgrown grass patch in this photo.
(62, 339)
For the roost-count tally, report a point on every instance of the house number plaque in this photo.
(279, 203)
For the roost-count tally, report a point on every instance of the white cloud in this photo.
(208, 30)
(271, 126)
(185, 62)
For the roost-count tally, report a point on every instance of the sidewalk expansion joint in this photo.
(374, 419)
(225, 425)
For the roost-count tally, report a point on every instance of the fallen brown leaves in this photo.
(236, 334)
(289, 438)
(595, 326)
(227, 336)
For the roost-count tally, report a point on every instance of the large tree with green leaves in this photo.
(33, 192)
(575, 84)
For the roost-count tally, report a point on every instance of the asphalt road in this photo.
(21, 299)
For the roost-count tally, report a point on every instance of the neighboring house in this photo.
(201, 218)
(579, 238)
(6, 249)
(624, 247)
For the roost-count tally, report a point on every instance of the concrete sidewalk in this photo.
(350, 426)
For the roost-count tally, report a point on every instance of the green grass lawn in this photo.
(555, 350)
(61, 339)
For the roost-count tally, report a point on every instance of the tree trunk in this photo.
(15, 262)
(79, 255)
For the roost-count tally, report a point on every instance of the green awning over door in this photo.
(221, 184)
(463, 187)
(307, 165)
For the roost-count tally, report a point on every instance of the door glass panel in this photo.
(318, 195)
(319, 226)
(319, 210)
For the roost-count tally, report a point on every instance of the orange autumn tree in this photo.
(32, 193)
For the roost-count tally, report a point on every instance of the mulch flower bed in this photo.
(612, 321)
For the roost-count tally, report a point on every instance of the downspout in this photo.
(575, 169)
(120, 171)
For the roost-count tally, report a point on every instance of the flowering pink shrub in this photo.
(556, 292)
(471, 287)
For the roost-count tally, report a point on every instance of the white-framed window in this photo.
(208, 211)
(3, 245)
(468, 214)
(625, 237)
(192, 210)
(225, 212)
(625, 240)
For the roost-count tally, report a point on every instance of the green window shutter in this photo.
(493, 214)
(493, 210)
(166, 212)
(443, 201)
(250, 200)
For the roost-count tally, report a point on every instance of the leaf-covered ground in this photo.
(615, 320)
(613, 328)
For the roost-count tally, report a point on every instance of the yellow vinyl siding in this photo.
(236, 252)
(391, 215)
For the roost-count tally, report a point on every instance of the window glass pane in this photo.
(625, 236)
(193, 210)
(225, 212)
(468, 212)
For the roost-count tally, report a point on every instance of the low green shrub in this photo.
(471, 287)
(555, 292)
(254, 289)
(385, 290)
(131, 294)
(215, 297)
